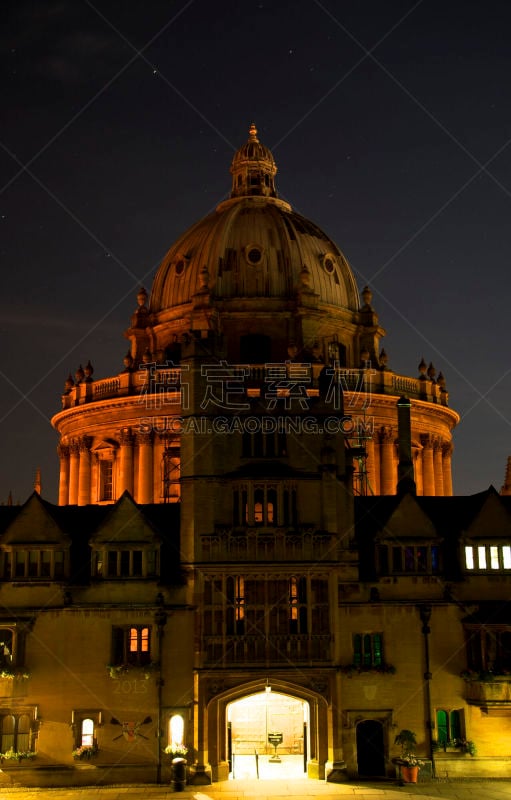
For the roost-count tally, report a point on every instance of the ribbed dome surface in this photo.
(254, 247)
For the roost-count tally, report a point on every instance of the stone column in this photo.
(144, 493)
(160, 443)
(377, 464)
(74, 455)
(417, 462)
(447, 468)
(63, 452)
(84, 471)
(125, 483)
(372, 487)
(439, 470)
(388, 484)
(428, 471)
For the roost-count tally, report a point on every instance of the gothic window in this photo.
(297, 605)
(247, 619)
(132, 563)
(263, 445)
(449, 726)
(488, 557)
(395, 559)
(235, 587)
(131, 644)
(264, 505)
(16, 731)
(489, 648)
(368, 650)
(33, 564)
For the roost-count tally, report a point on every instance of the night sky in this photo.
(391, 126)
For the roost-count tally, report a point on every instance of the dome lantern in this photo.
(253, 169)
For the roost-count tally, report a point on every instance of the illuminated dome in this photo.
(255, 256)
(258, 287)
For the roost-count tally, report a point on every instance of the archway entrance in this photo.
(370, 749)
(267, 736)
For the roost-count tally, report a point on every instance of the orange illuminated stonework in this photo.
(255, 549)
(272, 289)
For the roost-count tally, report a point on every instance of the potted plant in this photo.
(175, 750)
(408, 762)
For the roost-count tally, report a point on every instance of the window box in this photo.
(85, 752)
(14, 673)
(16, 756)
(117, 671)
(358, 669)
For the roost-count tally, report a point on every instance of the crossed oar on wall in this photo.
(130, 730)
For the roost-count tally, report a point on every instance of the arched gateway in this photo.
(239, 720)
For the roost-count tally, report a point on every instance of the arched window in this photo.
(15, 733)
(87, 733)
(449, 726)
(176, 730)
(8, 730)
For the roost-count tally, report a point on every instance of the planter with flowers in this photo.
(408, 762)
(16, 755)
(176, 751)
(85, 752)
(142, 671)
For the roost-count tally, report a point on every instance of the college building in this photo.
(256, 549)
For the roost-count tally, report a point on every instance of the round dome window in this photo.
(328, 264)
(254, 254)
(180, 267)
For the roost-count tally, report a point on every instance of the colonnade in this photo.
(134, 463)
(103, 472)
(431, 460)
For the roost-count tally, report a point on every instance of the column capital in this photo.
(386, 435)
(144, 438)
(63, 450)
(74, 447)
(126, 437)
(426, 440)
(84, 444)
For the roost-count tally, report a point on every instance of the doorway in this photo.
(267, 736)
(370, 749)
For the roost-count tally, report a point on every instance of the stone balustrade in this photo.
(155, 381)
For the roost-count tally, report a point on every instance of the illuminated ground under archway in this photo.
(252, 720)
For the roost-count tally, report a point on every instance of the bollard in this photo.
(178, 774)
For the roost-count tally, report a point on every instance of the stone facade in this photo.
(256, 504)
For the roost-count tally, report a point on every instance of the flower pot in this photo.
(410, 774)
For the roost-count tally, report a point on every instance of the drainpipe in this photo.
(160, 619)
(425, 616)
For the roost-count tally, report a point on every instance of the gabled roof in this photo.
(408, 520)
(125, 523)
(493, 519)
(35, 525)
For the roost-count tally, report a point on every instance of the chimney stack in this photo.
(506, 489)
(405, 479)
(37, 482)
